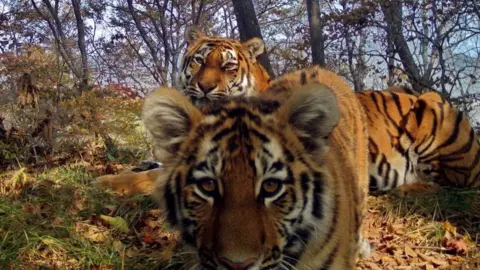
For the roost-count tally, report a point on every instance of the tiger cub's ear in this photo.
(313, 112)
(193, 33)
(168, 116)
(254, 47)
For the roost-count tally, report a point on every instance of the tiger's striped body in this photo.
(443, 142)
(440, 147)
(388, 167)
(265, 182)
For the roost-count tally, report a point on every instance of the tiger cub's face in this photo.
(213, 68)
(241, 184)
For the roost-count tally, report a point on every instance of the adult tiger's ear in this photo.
(312, 110)
(168, 116)
(193, 33)
(254, 47)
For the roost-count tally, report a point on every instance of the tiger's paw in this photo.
(365, 248)
(427, 172)
(147, 165)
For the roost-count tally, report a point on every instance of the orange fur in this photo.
(130, 182)
(419, 137)
(442, 141)
(310, 124)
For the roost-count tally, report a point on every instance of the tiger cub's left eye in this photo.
(229, 66)
(270, 187)
(208, 185)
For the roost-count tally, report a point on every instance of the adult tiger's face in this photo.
(213, 67)
(240, 183)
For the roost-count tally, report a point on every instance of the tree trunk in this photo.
(249, 28)
(81, 46)
(392, 11)
(159, 67)
(316, 33)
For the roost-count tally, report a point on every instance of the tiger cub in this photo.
(269, 182)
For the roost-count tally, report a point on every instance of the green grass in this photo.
(51, 219)
(45, 222)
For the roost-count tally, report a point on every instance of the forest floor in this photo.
(53, 218)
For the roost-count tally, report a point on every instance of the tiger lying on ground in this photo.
(268, 182)
(215, 67)
(442, 149)
(442, 142)
(212, 68)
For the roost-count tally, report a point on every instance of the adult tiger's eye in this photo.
(229, 66)
(271, 186)
(208, 185)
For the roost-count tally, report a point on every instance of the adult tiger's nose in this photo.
(206, 88)
(233, 265)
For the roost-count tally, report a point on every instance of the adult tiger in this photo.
(388, 167)
(264, 182)
(215, 67)
(443, 148)
(212, 68)
(442, 141)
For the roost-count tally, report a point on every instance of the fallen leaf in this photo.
(386, 259)
(147, 238)
(92, 233)
(457, 246)
(372, 266)
(429, 267)
(118, 246)
(438, 262)
(116, 222)
(424, 257)
(409, 251)
(376, 257)
(449, 227)
(130, 253)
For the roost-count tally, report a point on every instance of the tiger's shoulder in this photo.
(350, 134)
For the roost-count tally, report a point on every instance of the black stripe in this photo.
(259, 135)
(303, 78)
(330, 259)
(419, 111)
(304, 180)
(451, 139)
(170, 203)
(317, 204)
(372, 184)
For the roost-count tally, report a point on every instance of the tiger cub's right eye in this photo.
(199, 60)
(207, 185)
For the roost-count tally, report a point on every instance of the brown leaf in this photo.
(457, 245)
(449, 228)
(438, 262)
(376, 257)
(409, 251)
(147, 238)
(386, 259)
(93, 233)
(372, 266)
